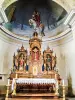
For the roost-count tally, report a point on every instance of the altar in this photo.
(36, 72)
(24, 85)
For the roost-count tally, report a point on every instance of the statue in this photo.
(21, 62)
(16, 63)
(48, 63)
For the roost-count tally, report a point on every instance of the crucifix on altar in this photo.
(35, 54)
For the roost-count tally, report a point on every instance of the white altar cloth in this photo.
(33, 81)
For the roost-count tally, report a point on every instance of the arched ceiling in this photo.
(66, 4)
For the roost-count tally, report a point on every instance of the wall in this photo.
(7, 49)
(67, 53)
(65, 60)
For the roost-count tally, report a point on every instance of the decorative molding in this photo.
(70, 17)
(63, 4)
(7, 3)
(4, 17)
(62, 38)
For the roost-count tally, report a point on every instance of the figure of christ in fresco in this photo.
(21, 62)
(35, 54)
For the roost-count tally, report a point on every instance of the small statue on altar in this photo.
(48, 63)
(21, 63)
(48, 68)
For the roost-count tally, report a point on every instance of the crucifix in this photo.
(35, 53)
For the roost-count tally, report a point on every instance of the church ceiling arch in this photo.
(64, 4)
(7, 3)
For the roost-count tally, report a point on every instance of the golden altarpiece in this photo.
(34, 64)
(37, 66)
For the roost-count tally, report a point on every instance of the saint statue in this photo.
(48, 63)
(21, 62)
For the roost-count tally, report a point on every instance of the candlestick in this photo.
(63, 92)
(7, 93)
(57, 87)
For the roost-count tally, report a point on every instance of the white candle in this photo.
(55, 76)
(8, 81)
(57, 85)
(63, 82)
(16, 75)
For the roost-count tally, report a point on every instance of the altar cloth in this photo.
(35, 80)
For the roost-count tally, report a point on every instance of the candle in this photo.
(8, 81)
(16, 75)
(55, 76)
(57, 85)
(63, 82)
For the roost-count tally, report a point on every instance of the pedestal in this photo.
(7, 93)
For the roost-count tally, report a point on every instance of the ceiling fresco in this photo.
(28, 16)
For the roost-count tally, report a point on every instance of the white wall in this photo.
(7, 50)
(66, 61)
(6, 55)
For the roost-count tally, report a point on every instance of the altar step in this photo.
(35, 94)
(35, 98)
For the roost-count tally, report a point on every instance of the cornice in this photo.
(13, 38)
